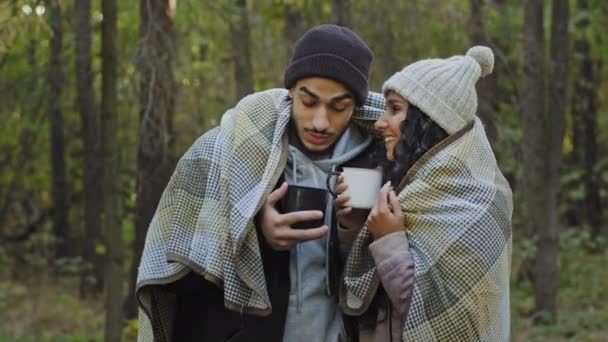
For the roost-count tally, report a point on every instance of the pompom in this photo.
(484, 57)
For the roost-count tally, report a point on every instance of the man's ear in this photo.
(290, 92)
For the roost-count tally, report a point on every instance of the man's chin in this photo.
(317, 148)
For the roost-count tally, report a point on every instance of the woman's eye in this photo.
(395, 110)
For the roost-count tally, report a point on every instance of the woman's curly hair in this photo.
(418, 134)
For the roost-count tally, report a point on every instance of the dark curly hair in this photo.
(418, 134)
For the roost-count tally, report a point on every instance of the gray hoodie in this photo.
(312, 313)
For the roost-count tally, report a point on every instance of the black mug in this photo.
(299, 198)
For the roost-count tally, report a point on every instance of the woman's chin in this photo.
(389, 147)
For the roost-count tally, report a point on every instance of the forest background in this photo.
(99, 99)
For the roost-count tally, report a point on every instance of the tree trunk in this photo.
(536, 181)
(240, 37)
(487, 86)
(55, 82)
(546, 261)
(112, 225)
(341, 13)
(585, 122)
(548, 238)
(294, 27)
(155, 160)
(558, 95)
(90, 138)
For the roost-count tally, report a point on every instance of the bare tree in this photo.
(487, 86)
(90, 138)
(540, 203)
(55, 82)
(584, 122)
(558, 95)
(155, 156)
(113, 199)
(294, 26)
(240, 37)
(341, 13)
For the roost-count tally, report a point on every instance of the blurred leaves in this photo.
(399, 32)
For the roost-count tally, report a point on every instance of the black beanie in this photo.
(333, 52)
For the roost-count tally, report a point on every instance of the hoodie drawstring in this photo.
(294, 168)
(294, 171)
(298, 280)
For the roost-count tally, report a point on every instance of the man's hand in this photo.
(385, 219)
(276, 227)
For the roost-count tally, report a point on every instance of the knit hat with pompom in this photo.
(444, 89)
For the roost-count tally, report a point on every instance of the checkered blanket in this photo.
(204, 220)
(457, 207)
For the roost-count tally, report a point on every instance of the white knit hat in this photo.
(444, 89)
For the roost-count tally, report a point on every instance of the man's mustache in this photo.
(324, 132)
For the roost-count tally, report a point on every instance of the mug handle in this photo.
(336, 171)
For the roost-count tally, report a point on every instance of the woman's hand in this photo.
(344, 213)
(385, 219)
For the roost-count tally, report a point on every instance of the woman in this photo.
(432, 260)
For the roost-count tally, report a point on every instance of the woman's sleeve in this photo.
(395, 266)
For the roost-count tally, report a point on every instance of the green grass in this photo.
(582, 294)
(41, 310)
(46, 309)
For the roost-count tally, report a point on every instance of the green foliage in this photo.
(399, 32)
(129, 333)
(582, 294)
(48, 311)
(100, 249)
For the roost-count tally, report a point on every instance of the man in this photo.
(220, 261)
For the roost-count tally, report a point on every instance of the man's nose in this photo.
(320, 121)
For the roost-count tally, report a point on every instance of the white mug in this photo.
(363, 186)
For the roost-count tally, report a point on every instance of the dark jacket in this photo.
(201, 315)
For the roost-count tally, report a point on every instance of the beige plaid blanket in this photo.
(458, 208)
(204, 220)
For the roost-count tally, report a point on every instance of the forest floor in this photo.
(47, 309)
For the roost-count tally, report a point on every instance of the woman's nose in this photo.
(380, 124)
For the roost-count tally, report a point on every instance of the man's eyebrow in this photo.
(308, 92)
(341, 97)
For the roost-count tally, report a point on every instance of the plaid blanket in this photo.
(457, 207)
(204, 220)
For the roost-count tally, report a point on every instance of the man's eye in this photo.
(309, 103)
(339, 109)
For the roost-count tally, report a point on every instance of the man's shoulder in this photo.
(259, 112)
(266, 98)
(263, 102)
